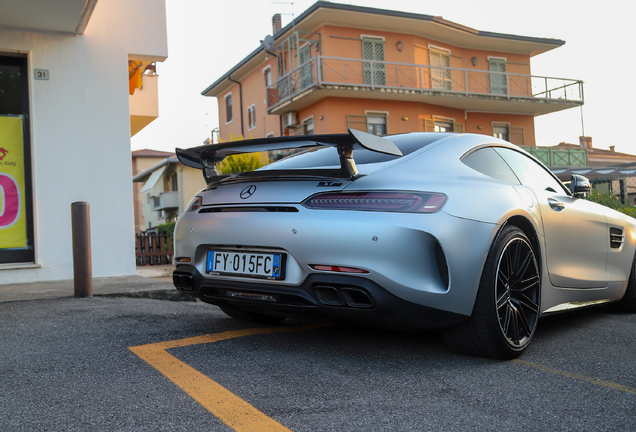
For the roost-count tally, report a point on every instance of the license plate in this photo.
(247, 264)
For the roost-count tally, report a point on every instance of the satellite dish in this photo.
(268, 43)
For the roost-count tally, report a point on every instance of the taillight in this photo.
(195, 204)
(407, 202)
(337, 269)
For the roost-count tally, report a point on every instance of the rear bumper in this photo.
(401, 252)
(320, 296)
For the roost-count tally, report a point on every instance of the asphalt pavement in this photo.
(119, 363)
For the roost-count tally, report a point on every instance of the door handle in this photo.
(556, 205)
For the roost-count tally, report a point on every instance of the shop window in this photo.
(16, 202)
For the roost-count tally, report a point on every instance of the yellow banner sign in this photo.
(13, 226)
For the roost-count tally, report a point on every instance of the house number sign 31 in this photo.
(41, 74)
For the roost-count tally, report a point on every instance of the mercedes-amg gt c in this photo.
(466, 233)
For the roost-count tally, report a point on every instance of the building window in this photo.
(251, 117)
(498, 77)
(307, 128)
(267, 73)
(512, 134)
(442, 125)
(228, 108)
(441, 75)
(174, 185)
(375, 124)
(374, 71)
(304, 71)
(501, 131)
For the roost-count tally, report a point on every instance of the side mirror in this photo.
(580, 186)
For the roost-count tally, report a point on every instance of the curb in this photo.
(169, 295)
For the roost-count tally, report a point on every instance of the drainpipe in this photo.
(181, 192)
(240, 101)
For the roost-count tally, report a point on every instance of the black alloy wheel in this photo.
(508, 302)
(517, 292)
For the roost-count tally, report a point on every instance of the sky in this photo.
(206, 38)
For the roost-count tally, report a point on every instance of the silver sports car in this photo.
(462, 232)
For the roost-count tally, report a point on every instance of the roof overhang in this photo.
(435, 27)
(60, 16)
(145, 174)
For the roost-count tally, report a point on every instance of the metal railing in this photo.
(559, 157)
(360, 74)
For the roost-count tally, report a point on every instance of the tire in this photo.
(507, 306)
(628, 302)
(244, 315)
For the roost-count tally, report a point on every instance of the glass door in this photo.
(498, 77)
(374, 72)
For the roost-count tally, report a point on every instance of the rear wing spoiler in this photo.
(206, 157)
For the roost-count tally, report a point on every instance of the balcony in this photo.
(164, 201)
(557, 157)
(144, 103)
(466, 89)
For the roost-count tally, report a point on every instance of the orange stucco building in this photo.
(342, 66)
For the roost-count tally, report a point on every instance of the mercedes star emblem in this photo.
(248, 192)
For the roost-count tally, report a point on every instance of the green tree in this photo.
(240, 163)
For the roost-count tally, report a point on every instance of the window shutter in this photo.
(458, 127)
(429, 125)
(516, 135)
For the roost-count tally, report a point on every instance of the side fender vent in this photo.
(617, 238)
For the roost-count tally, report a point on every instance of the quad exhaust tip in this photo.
(183, 281)
(344, 297)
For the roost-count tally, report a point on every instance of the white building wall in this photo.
(80, 134)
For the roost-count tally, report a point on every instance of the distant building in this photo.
(167, 187)
(141, 161)
(599, 157)
(340, 66)
(77, 81)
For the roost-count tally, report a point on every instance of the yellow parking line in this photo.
(577, 376)
(225, 405)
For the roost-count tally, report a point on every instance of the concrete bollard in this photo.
(82, 261)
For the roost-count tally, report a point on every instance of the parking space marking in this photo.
(577, 376)
(229, 408)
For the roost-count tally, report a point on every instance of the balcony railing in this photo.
(359, 74)
(559, 157)
(165, 200)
